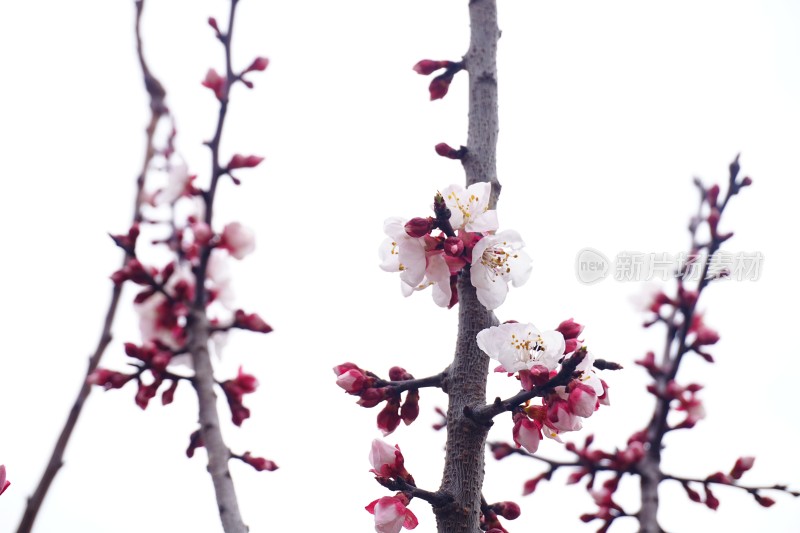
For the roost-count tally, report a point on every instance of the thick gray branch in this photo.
(466, 381)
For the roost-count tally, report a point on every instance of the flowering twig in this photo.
(158, 110)
(685, 333)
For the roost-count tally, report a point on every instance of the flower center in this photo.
(496, 260)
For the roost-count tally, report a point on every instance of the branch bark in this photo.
(157, 111)
(466, 382)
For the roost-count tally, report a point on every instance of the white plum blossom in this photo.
(177, 179)
(238, 240)
(521, 346)
(469, 208)
(496, 260)
(588, 376)
(402, 253)
(437, 276)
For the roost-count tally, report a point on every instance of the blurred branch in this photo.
(157, 111)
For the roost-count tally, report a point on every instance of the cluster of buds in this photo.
(432, 251)
(372, 391)
(234, 390)
(441, 83)
(391, 512)
(536, 359)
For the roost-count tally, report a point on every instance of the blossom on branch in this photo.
(520, 346)
(496, 260)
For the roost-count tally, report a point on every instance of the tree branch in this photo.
(158, 110)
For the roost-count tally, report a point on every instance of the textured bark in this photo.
(466, 381)
(218, 452)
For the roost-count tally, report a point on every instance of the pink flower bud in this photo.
(241, 161)
(419, 227)
(216, 83)
(391, 514)
(501, 450)
(397, 373)
(526, 433)
(389, 417)
(251, 322)
(108, 378)
(259, 463)
(352, 381)
(429, 66)
(582, 400)
(372, 397)
(169, 395)
(747, 181)
(410, 409)
(344, 367)
(743, 464)
(213, 23)
(530, 485)
(259, 63)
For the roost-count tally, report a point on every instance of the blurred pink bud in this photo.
(213, 23)
(242, 161)
(712, 195)
(169, 394)
(453, 247)
(108, 378)
(747, 181)
(501, 450)
(711, 501)
(251, 322)
(764, 501)
(259, 63)
(531, 484)
(216, 83)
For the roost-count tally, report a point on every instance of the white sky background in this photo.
(607, 111)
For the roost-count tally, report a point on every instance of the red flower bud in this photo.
(429, 66)
(259, 463)
(439, 86)
(570, 329)
(712, 195)
(508, 510)
(195, 441)
(445, 150)
(418, 227)
(743, 464)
